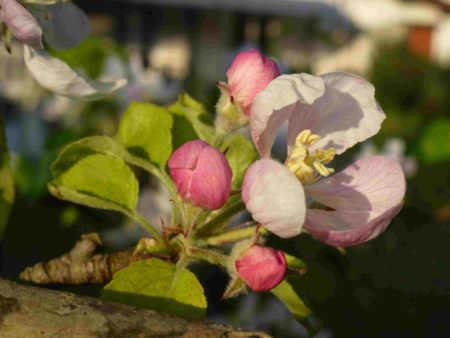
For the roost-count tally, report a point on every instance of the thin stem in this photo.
(232, 236)
(210, 256)
(147, 226)
(221, 217)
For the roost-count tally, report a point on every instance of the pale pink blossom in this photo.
(21, 23)
(249, 73)
(201, 174)
(326, 115)
(261, 268)
(50, 72)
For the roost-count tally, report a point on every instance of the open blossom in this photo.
(201, 174)
(326, 115)
(261, 268)
(249, 73)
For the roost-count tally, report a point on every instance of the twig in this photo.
(81, 265)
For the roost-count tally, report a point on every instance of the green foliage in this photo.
(160, 286)
(99, 181)
(145, 130)
(240, 153)
(6, 181)
(69, 184)
(286, 293)
(434, 145)
(408, 83)
(188, 111)
(77, 150)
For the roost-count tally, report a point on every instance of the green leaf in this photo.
(182, 131)
(286, 293)
(160, 286)
(186, 109)
(240, 153)
(6, 181)
(75, 151)
(145, 131)
(99, 181)
(434, 145)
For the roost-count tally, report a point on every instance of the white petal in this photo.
(274, 197)
(346, 114)
(364, 198)
(21, 23)
(56, 76)
(65, 25)
(275, 104)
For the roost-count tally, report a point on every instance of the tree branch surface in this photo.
(27, 312)
(81, 265)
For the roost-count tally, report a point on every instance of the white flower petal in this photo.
(274, 197)
(275, 104)
(21, 23)
(346, 114)
(364, 198)
(56, 76)
(64, 24)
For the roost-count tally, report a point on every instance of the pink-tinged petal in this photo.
(346, 113)
(364, 198)
(21, 23)
(249, 73)
(56, 76)
(261, 268)
(277, 102)
(201, 174)
(274, 197)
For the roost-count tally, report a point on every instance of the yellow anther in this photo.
(309, 166)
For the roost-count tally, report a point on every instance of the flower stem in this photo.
(232, 236)
(147, 226)
(221, 217)
(210, 256)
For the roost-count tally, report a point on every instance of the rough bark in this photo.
(81, 265)
(27, 311)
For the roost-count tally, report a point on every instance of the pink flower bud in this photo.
(249, 73)
(202, 174)
(261, 268)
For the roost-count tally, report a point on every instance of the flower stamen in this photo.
(308, 167)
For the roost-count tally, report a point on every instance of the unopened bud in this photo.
(249, 73)
(261, 268)
(201, 174)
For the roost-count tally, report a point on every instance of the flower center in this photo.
(308, 167)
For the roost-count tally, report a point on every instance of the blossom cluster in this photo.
(325, 115)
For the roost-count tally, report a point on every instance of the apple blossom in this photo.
(249, 73)
(21, 23)
(326, 115)
(261, 268)
(201, 174)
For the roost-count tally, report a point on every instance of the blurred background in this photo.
(395, 286)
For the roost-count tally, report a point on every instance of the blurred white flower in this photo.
(52, 73)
